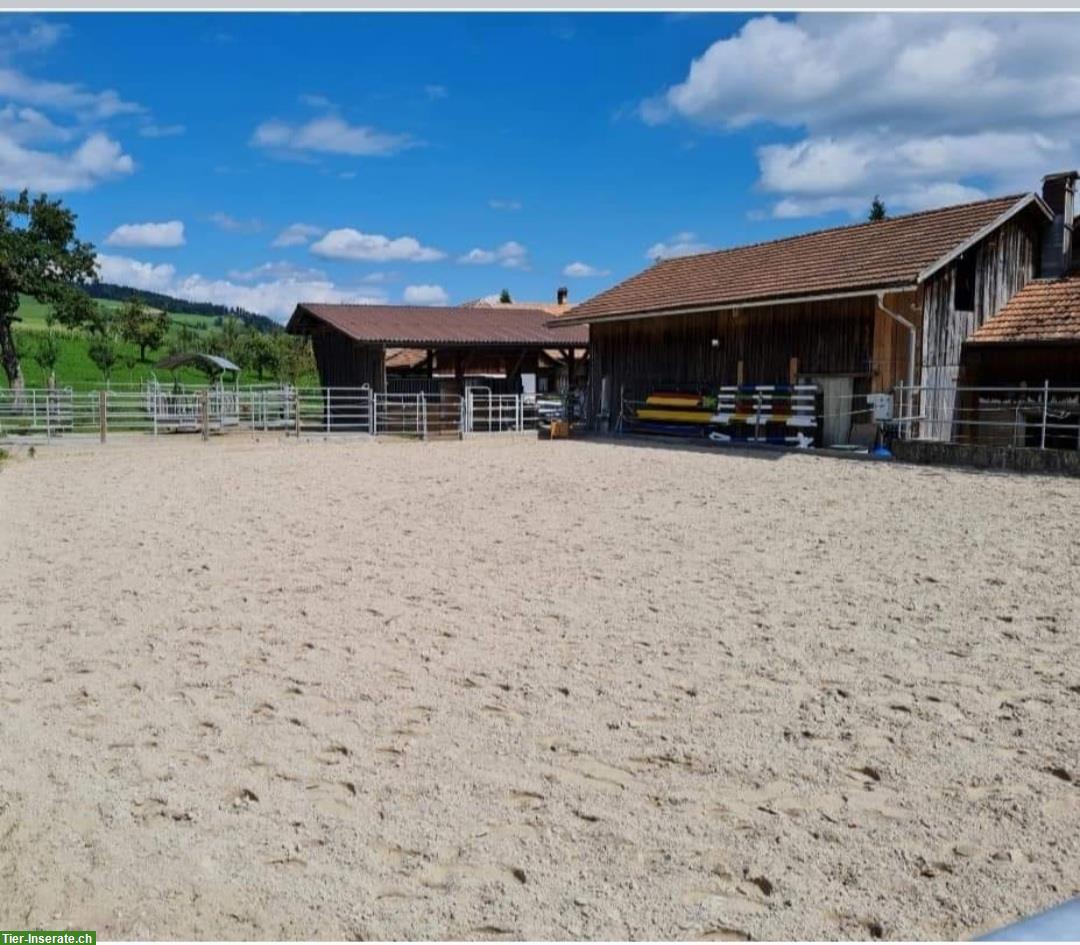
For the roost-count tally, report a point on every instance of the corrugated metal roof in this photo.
(197, 357)
(430, 326)
(885, 254)
(1044, 310)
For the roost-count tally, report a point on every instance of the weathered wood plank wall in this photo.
(644, 354)
(343, 362)
(1004, 262)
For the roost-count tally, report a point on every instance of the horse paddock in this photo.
(268, 688)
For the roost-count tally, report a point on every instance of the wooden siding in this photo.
(1004, 263)
(343, 362)
(827, 338)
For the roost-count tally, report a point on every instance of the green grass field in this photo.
(75, 369)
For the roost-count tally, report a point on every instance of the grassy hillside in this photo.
(75, 369)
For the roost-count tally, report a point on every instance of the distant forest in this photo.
(168, 303)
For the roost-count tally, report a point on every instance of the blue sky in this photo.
(263, 158)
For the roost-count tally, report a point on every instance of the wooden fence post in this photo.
(103, 406)
(204, 413)
(296, 410)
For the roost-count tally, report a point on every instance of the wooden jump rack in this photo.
(766, 413)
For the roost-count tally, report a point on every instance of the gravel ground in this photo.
(508, 688)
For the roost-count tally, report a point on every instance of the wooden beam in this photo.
(793, 371)
(739, 373)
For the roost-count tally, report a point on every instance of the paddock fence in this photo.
(291, 411)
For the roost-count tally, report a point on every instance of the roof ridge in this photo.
(845, 227)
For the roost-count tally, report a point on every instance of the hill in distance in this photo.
(107, 291)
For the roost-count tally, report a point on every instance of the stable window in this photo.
(964, 283)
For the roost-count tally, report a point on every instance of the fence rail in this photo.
(1034, 417)
(1040, 417)
(294, 411)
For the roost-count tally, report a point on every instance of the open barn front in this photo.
(833, 351)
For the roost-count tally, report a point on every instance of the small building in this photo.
(1029, 355)
(385, 346)
(852, 310)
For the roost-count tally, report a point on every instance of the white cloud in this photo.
(275, 297)
(278, 269)
(24, 124)
(580, 270)
(297, 234)
(25, 36)
(62, 96)
(681, 244)
(161, 131)
(97, 159)
(436, 92)
(510, 255)
(329, 134)
(149, 235)
(351, 244)
(425, 295)
(316, 101)
(153, 277)
(504, 204)
(915, 107)
(230, 224)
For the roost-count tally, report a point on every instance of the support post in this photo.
(103, 407)
(1045, 405)
(204, 413)
(296, 410)
(739, 373)
(793, 371)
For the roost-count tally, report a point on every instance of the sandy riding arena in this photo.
(261, 690)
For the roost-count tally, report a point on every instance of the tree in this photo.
(294, 358)
(228, 340)
(504, 297)
(47, 353)
(104, 351)
(142, 327)
(41, 258)
(877, 209)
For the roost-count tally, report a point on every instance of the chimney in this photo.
(1058, 191)
(561, 294)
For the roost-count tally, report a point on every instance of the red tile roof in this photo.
(1044, 310)
(430, 326)
(889, 253)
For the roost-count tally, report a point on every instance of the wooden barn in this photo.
(378, 345)
(852, 310)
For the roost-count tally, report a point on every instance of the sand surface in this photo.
(255, 690)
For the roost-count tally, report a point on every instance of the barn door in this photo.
(835, 408)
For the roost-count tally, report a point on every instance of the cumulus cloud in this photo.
(97, 159)
(425, 295)
(277, 269)
(510, 255)
(918, 108)
(121, 270)
(231, 224)
(580, 270)
(504, 204)
(350, 244)
(681, 244)
(275, 297)
(329, 134)
(149, 235)
(436, 92)
(297, 234)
